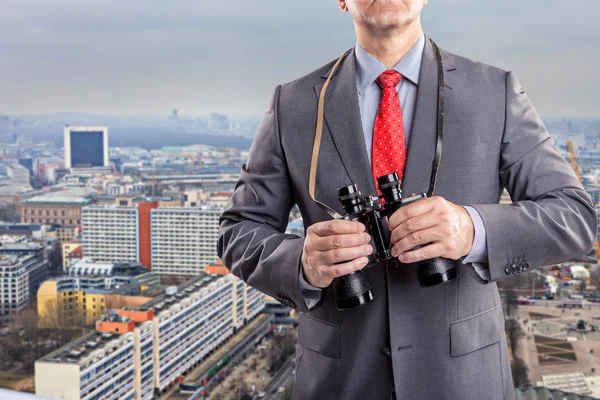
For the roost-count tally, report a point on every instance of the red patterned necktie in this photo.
(389, 149)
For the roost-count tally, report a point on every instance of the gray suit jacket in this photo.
(443, 342)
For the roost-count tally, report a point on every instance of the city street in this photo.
(283, 379)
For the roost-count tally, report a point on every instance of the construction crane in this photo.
(573, 160)
(41, 175)
(153, 183)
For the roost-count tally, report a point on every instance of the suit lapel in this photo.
(342, 117)
(421, 148)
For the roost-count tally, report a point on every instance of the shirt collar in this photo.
(368, 68)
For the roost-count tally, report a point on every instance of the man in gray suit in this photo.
(409, 342)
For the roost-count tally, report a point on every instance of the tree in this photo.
(510, 301)
(520, 372)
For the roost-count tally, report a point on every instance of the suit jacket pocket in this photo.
(476, 331)
(320, 336)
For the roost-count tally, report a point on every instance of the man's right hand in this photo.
(333, 249)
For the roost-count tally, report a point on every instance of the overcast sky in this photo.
(146, 57)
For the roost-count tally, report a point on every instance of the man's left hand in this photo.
(445, 229)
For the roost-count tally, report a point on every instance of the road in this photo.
(284, 378)
(555, 303)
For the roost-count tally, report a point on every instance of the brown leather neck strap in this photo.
(312, 180)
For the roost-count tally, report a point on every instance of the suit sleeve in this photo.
(252, 242)
(552, 218)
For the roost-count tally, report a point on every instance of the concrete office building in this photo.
(145, 349)
(18, 173)
(86, 147)
(183, 239)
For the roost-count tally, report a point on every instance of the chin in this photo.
(391, 17)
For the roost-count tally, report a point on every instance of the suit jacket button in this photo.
(385, 350)
(508, 270)
(393, 265)
(520, 267)
(286, 302)
(525, 265)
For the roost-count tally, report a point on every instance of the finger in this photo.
(336, 227)
(344, 254)
(413, 225)
(338, 270)
(424, 253)
(414, 210)
(417, 238)
(340, 241)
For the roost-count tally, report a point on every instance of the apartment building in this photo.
(110, 233)
(183, 239)
(114, 233)
(146, 349)
(83, 297)
(21, 274)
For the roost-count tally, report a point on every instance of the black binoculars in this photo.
(354, 290)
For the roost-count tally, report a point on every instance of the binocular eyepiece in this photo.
(354, 290)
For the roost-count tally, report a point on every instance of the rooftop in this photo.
(80, 350)
(163, 301)
(544, 393)
(22, 246)
(75, 196)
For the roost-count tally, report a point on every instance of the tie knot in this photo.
(389, 78)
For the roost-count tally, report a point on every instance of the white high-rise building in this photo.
(110, 233)
(183, 239)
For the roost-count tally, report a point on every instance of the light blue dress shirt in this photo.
(368, 69)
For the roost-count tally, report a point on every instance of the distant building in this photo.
(27, 163)
(64, 233)
(86, 147)
(18, 173)
(82, 297)
(23, 268)
(219, 122)
(31, 255)
(143, 350)
(36, 231)
(573, 383)
(62, 207)
(110, 233)
(5, 123)
(71, 253)
(119, 233)
(183, 239)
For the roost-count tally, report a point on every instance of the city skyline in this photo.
(147, 58)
